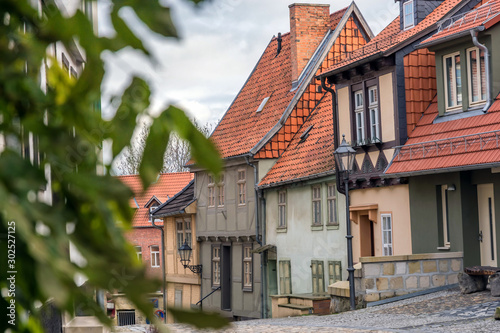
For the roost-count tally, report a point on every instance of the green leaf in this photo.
(125, 33)
(135, 100)
(199, 319)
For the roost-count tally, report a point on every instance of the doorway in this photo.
(225, 279)
(366, 236)
(487, 230)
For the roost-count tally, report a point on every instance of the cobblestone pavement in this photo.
(445, 311)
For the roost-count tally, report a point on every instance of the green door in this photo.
(272, 278)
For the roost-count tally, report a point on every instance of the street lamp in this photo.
(344, 158)
(185, 254)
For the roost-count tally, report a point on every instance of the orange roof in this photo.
(392, 37)
(483, 16)
(310, 157)
(241, 127)
(440, 147)
(167, 185)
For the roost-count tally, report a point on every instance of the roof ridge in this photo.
(175, 196)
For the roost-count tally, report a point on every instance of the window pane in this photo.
(449, 82)
(458, 78)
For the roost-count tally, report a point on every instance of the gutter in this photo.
(336, 129)
(257, 230)
(295, 180)
(162, 267)
(442, 170)
(474, 32)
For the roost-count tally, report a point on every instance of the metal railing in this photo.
(483, 11)
(201, 300)
(450, 146)
(126, 317)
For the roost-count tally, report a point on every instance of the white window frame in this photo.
(332, 205)
(374, 114)
(155, 256)
(216, 265)
(247, 267)
(444, 208)
(359, 115)
(408, 24)
(453, 79)
(184, 232)
(211, 191)
(387, 246)
(480, 76)
(138, 252)
(151, 208)
(242, 187)
(221, 188)
(282, 209)
(316, 206)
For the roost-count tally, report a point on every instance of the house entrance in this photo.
(487, 239)
(366, 236)
(225, 278)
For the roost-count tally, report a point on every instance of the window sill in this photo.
(316, 227)
(214, 287)
(283, 230)
(247, 289)
(458, 115)
(443, 248)
(332, 227)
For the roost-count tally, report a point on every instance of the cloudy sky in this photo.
(221, 41)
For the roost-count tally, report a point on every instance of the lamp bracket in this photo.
(194, 268)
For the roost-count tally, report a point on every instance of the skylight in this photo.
(261, 106)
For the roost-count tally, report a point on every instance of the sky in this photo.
(220, 43)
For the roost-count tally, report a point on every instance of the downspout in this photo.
(162, 265)
(336, 129)
(264, 257)
(474, 33)
(257, 230)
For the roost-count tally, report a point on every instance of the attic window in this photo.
(261, 106)
(304, 135)
(408, 15)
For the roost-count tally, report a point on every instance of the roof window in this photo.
(304, 135)
(261, 106)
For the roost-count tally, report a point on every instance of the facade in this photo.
(305, 221)
(451, 157)
(179, 220)
(271, 109)
(146, 239)
(382, 89)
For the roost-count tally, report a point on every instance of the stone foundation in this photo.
(385, 277)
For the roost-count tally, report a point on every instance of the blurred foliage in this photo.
(59, 115)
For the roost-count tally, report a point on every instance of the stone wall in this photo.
(122, 303)
(385, 277)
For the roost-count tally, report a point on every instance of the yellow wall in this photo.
(390, 199)
(179, 278)
(344, 113)
(387, 108)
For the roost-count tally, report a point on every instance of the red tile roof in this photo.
(241, 128)
(392, 37)
(310, 157)
(434, 147)
(485, 15)
(167, 185)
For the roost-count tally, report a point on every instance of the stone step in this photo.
(295, 306)
(339, 288)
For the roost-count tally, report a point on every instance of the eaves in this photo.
(442, 170)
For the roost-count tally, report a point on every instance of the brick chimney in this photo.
(308, 25)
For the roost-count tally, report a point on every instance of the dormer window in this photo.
(408, 15)
(151, 209)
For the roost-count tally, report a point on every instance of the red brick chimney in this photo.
(308, 25)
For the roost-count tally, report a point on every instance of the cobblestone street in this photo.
(446, 311)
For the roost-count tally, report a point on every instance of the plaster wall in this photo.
(387, 107)
(300, 242)
(391, 199)
(343, 101)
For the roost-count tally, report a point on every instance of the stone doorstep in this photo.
(339, 288)
(296, 307)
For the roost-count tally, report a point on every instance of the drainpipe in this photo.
(336, 129)
(264, 257)
(162, 265)
(474, 33)
(256, 175)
